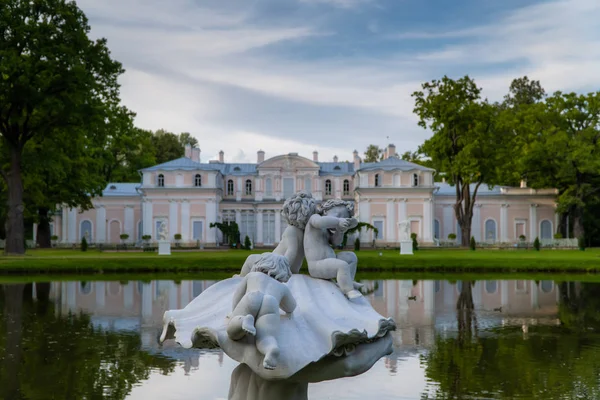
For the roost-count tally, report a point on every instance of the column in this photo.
(129, 224)
(504, 223)
(173, 296)
(556, 222)
(211, 217)
(240, 189)
(338, 188)
(147, 217)
(277, 226)
(100, 290)
(428, 301)
(63, 229)
(504, 293)
(173, 219)
(101, 224)
(476, 223)
(427, 221)
(259, 226)
(533, 225)
(185, 221)
(238, 218)
(391, 228)
(73, 225)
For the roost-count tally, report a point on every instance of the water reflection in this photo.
(463, 339)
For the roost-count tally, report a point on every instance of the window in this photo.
(247, 226)
(288, 187)
(491, 286)
(269, 187)
(436, 229)
(269, 227)
(327, 187)
(86, 231)
(113, 187)
(415, 180)
(85, 287)
(237, 169)
(308, 185)
(547, 286)
(198, 180)
(197, 230)
(346, 187)
(161, 180)
(490, 230)
(546, 229)
(248, 187)
(337, 168)
(379, 226)
(230, 187)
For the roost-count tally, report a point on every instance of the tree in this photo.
(53, 79)
(464, 144)
(168, 145)
(373, 154)
(187, 138)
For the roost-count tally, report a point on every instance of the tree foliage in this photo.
(373, 154)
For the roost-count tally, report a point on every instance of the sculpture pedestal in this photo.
(164, 248)
(406, 247)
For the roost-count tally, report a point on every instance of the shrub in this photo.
(451, 236)
(536, 244)
(522, 238)
(357, 244)
(146, 237)
(473, 243)
(247, 243)
(177, 236)
(54, 238)
(415, 244)
(558, 235)
(581, 243)
(84, 244)
(124, 236)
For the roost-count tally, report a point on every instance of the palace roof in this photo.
(393, 164)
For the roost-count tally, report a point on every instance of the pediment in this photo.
(288, 162)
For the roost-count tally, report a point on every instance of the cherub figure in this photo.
(256, 304)
(296, 212)
(325, 230)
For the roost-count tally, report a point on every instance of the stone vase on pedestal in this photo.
(406, 247)
(164, 248)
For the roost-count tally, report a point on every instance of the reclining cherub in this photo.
(296, 212)
(256, 304)
(325, 230)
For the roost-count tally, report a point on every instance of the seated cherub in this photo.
(325, 230)
(296, 211)
(256, 304)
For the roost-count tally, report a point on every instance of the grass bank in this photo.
(431, 261)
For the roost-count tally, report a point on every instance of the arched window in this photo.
(546, 229)
(415, 180)
(547, 286)
(269, 187)
(248, 187)
(161, 181)
(436, 229)
(230, 187)
(490, 230)
(327, 187)
(377, 180)
(491, 286)
(85, 287)
(346, 187)
(86, 231)
(198, 180)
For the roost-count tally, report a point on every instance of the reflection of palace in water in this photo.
(421, 309)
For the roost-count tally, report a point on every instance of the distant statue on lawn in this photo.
(256, 304)
(296, 212)
(404, 230)
(324, 231)
(163, 233)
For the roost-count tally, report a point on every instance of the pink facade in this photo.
(189, 195)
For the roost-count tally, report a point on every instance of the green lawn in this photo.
(386, 261)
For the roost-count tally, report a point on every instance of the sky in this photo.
(330, 75)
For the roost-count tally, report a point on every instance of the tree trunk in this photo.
(13, 308)
(44, 239)
(463, 210)
(578, 230)
(15, 226)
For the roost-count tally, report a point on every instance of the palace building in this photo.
(188, 195)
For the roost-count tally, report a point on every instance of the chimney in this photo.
(391, 151)
(523, 183)
(260, 156)
(188, 151)
(335, 159)
(315, 156)
(356, 160)
(221, 157)
(196, 155)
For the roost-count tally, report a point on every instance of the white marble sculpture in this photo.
(163, 232)
(323, 231)
(260, 321)
(296, 211)
(164, 245)
(256, 304)
(404, 230)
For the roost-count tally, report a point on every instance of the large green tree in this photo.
(373, 154)
(465, 145)
(168, 146)
(54, 80)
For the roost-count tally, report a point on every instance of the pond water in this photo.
(513, 339)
